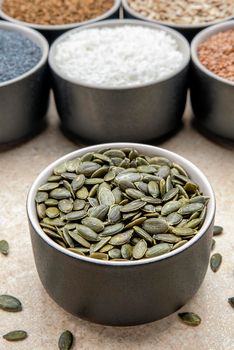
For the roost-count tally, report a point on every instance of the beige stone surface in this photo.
(44, 320)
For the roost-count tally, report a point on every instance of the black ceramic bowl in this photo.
(212, 97)
(122, 293)
(24, 100)
(52, 32)
(135, 113)
(189, 31)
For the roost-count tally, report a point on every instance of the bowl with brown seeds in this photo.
(212, 81)
(54, 17)
(113, 222)
(188, 17)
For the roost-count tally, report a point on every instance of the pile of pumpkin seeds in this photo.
(117, 204)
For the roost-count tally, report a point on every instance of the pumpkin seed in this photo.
(190, 318)
(41, 197)
(4, 247)
(213, 244)
(76, 215)
(101, 243)
(111, 230)
(106, 248)
(65, 340)
(106, 197)
(126, 251)
(99, 212)
(50, 202)
(15, 335)
(158, 249)
(87, 168)
(121, 238)
(59, 169)
(10, 303)
(167, 237)
(170, 207)
(190, 208)
(170, 194)
(133, 206)
(60, 193)
(182, 231)
(215, 262)
(93, 223)
(100, 256)
(82, 241)
(153, 189)
(143, 234)
(217, 230)
(87, 233)
(179, 244)
(52, 212)
(48, 186)
(154, 226)
(174, 219)
(139, 249)
(114, 214)
(114, 253)
(82, 193)
(65, 205)
(78, 182)
(135, 222)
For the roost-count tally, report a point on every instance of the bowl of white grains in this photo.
(188, 17)
(54, 17)
(212, 80)
(24, 82)
(120, 80)
(121, 232)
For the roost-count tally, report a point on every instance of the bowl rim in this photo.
(177, 26)
(36, 38)
(202, 37)
(51, 27)
(180, 39)
(148, 149)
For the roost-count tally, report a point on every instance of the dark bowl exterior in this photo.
(212, 103)
(121, 295)
(134, 114)
(23, 106)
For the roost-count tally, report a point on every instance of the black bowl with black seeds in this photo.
(24, 82)
(100, 222)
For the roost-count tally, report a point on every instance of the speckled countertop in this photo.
(44, 320)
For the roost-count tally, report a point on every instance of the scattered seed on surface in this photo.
(217, 230)
(10, 303)
(231, 301)
(15, 335)
(65, 340)
(4, 247)
(190, 318)
(215, 262)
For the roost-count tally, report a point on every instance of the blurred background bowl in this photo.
(212, 97)
(52, 32)
(24, 99)
(135, 113)
(189, 31)
(128, 292)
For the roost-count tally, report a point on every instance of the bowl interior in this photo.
(192, 170)
(62, 27)
(171, 24)
(203, 36)
(182, 43)
(34, 36)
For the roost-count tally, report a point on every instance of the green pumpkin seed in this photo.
(100, 172)
(114, 214)
(111, 230)
(71, 165)
(199, 199)
(60, 193)
(67, 238)
(190, 208)
(10, 303)
(50, 202)
(106, 197)
(106, 248)
(86, 157)
(128, 177)
(170, 194)
(135, 222)
(182, 231)
(231, 301)
(153, 189)
(65, 205)
(162, 187)
(115, 153)
(193, 223)
(179, 244)
(52, 212)
(78, 204)
(170, 207)
(114, 253)
(217, 230)
(4, 247)
(48, 186)
(54, 222)
(87, 168)
(51, 233)
(182, 191)
(133, 193)
(190, 187)
(139, 249)
(79, 239)
(100, 256)
(174, 219)
(158, 249)
(213, 244)
(99, 212)
(126, 251)
(59, 169)
(154, 226)
(142, 186)
(41, 197)
(15, 335)
(82, 193)
(54, 178)
(121, 238)
(117, 194)
(190, 318)
(169, 185)
(99, 245)
(76, 215)
(143, 234)
(78, 182)
(167, 237)
(94, 181)
(68, 176)
(65, 340)
(151, 200)
(133, 206)
(215, 262)
(93, 223)
(87, 233)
